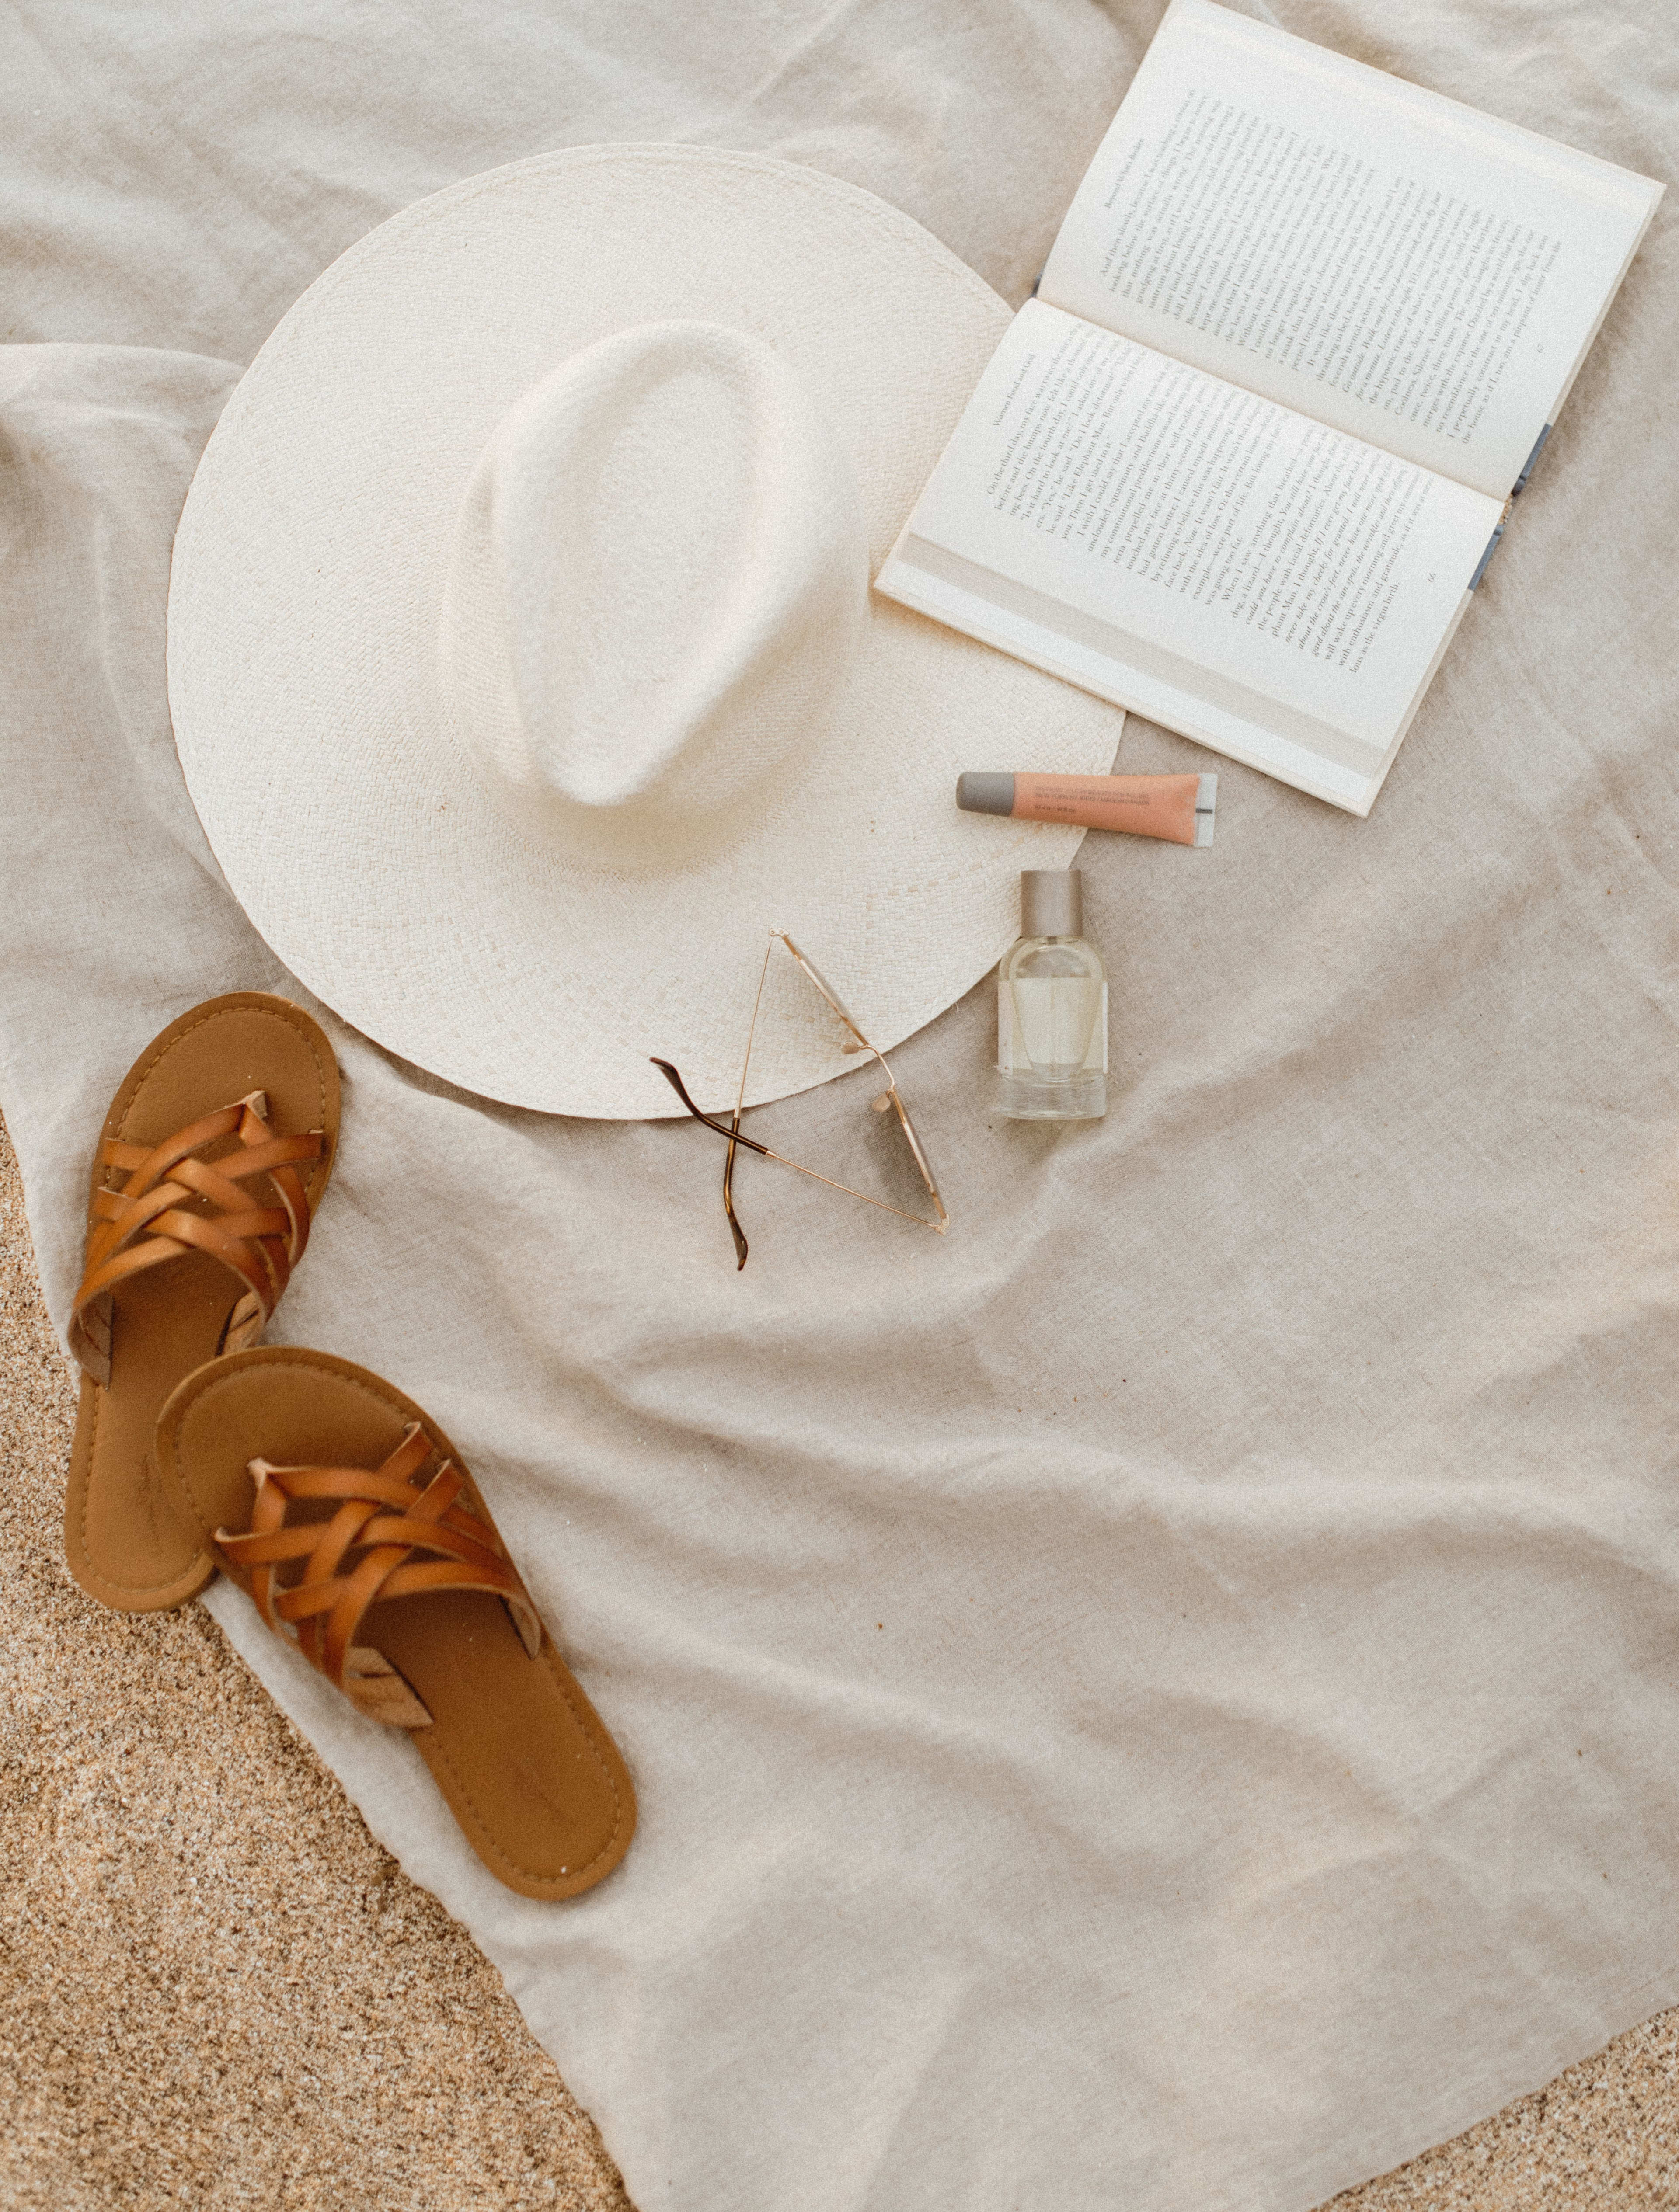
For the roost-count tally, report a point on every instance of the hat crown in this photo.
(659, 574)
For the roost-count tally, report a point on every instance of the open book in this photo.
(1241, 461)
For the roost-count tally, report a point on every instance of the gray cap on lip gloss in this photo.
(985, 793)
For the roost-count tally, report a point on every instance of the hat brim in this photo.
(303, 617)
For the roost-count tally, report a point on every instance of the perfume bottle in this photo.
(1052, 1008)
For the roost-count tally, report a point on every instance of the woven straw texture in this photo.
(307, 599)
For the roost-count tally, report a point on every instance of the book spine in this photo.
(1527, 465)
(1492, 541)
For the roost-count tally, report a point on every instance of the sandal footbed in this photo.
(126, 1539)
(521, 1757)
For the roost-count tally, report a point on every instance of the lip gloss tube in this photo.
(1178, 808)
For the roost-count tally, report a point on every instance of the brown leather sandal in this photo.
(216, 1151)
(338, 1505)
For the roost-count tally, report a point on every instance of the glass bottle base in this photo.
(1073, 1098)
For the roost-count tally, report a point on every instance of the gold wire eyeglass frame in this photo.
(888, 1102)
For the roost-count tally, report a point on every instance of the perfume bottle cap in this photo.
(1051, 903)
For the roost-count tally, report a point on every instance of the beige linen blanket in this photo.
(1168, 1699)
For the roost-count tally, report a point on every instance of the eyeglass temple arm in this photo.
(734, 1137)
(722, 1128)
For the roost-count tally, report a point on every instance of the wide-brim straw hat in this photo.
(523, 661)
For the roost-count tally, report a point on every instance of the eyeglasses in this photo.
(888, 1102)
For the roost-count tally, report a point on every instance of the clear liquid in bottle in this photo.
(1052, 1009)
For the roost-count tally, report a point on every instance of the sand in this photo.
(216, 1990)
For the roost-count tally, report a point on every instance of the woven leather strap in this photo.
(174, 1203)
(393, 1536)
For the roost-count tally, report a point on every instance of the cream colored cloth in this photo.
(1169, 1698)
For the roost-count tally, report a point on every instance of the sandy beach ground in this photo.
(217, 1991)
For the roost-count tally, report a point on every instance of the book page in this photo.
(1361, 250)
(1247, 557)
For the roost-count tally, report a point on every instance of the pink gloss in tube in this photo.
(1178, 808)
